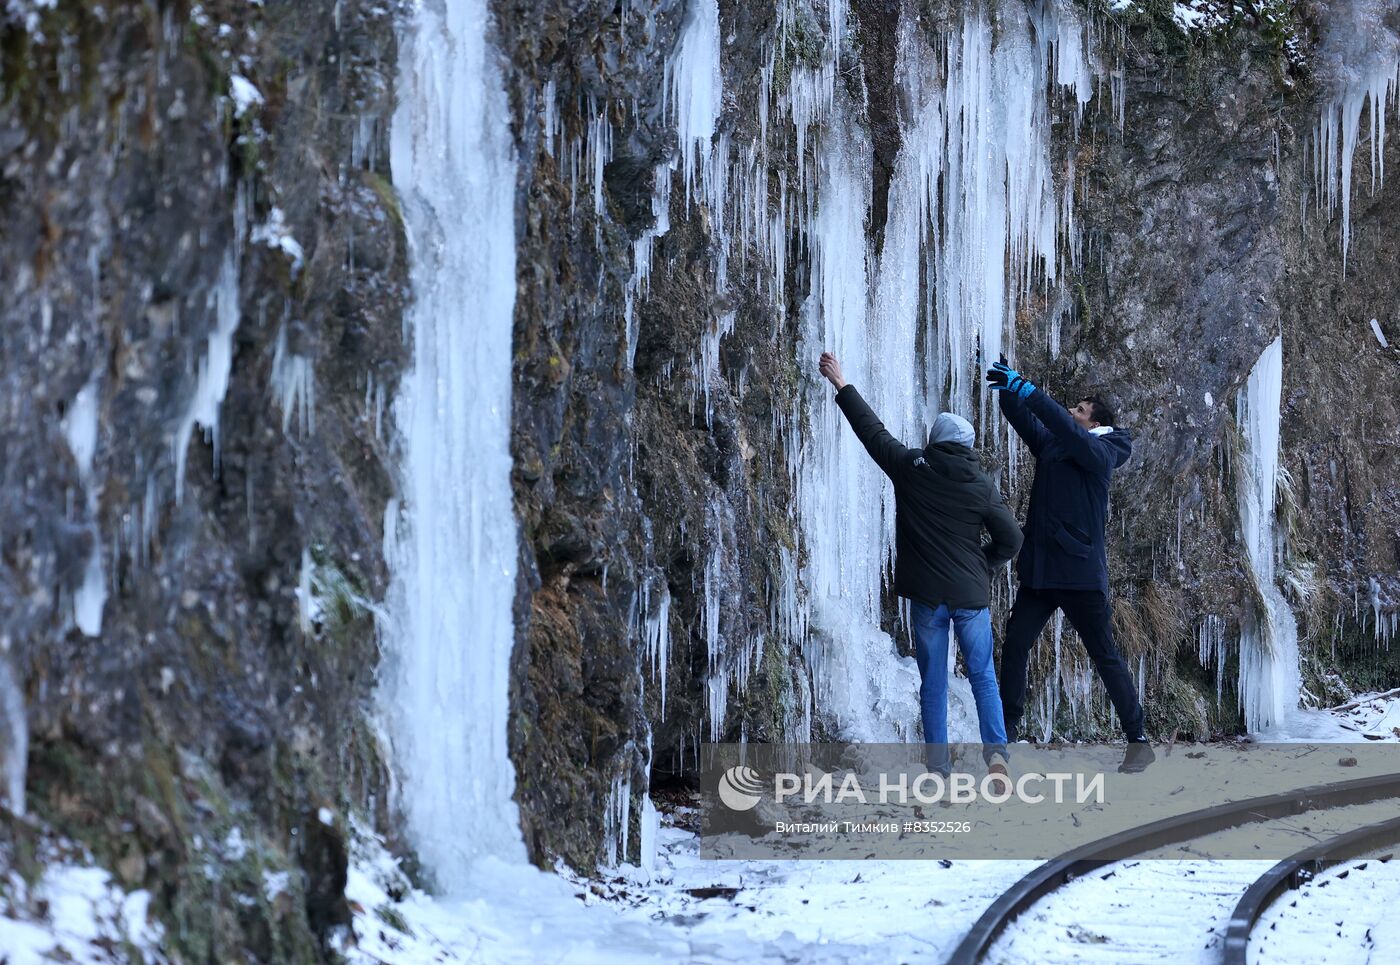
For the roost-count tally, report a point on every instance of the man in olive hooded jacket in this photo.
(943, 501)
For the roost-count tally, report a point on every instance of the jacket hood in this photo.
(1120, 443)
(953, 461)
(949, 427)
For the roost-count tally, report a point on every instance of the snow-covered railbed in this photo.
(1158, 909)
(1347, 913)
(685, 909)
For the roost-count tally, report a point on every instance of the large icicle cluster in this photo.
(974, 219)
(453, 547)
(1361, 67)
(975, 223)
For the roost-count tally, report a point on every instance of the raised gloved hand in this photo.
(1003, 378)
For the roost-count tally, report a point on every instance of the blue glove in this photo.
(1003, 378)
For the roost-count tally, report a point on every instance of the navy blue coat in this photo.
(1064, 547)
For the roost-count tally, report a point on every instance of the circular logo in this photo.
(740, 788)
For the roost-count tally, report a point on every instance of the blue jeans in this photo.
(974, 629)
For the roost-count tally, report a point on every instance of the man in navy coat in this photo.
(1062, 564)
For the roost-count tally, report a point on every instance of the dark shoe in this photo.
(1137, 757)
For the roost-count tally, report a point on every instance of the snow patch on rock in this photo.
(244, 94)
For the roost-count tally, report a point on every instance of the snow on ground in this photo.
(1100, 916)
(1118, 914)
(818, 911)
(1372, 716)
(1347, 913)
(693, 910)
(74, 913)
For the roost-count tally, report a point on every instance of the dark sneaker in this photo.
(1137, 757)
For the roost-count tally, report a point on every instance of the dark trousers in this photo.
(1089, 613)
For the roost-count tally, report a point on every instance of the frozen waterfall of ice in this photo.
(846, 505)
(1269, 679)
(452, 548)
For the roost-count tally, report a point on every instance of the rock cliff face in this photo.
(203, 284)
(1208, 235)
(1199, 241)
(206, 277)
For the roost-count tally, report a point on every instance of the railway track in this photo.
(1144, 901)
(1292, 873)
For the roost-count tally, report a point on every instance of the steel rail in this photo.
(1182, 827)
(1294, 871)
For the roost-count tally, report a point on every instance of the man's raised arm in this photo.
(1021, 399)
(1027, 426)
(1090, 453)
(885, 449)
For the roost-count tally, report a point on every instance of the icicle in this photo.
(1212, 650)
(709, 357)
(80, 428)
(1365, 77)
(364, 142)
(658, 642)
(294, 386)
(91, 594)
(214, 368)
(617, 819)
(15, 743)
(308, 608)
(717, 703)
(1057, 635)
(80, 432)
(1383, 623)
(650, 831)
(549, 123)
(696, 86)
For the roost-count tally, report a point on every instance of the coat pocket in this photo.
(1070, 541)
